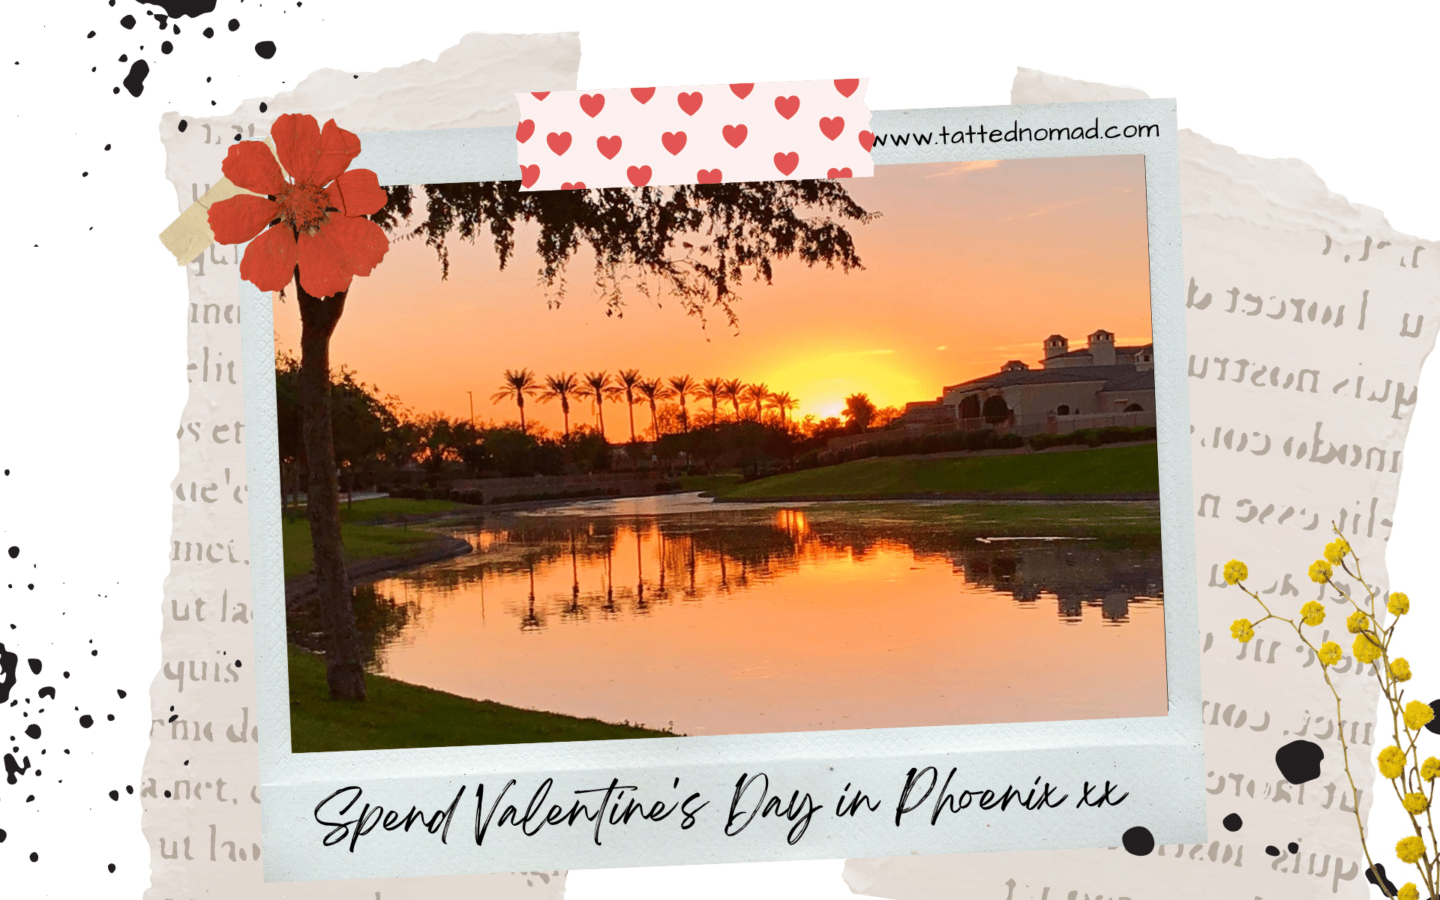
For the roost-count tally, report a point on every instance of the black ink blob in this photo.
(14, 552)
(1390, 889)
(121, 693)
(114, 795)
(263, 106)
(127, 22)
(182, 126)
(2, 835)
(209, 32)
(86, 721)
(34, 857)
(35, 665)
(265, 49)
(33, 731)
(8, 662)
(1233, 822)
(166, 47)
(233, 25)
(135, 81)
(178, 8)
(1272, 850)
(1299, 761)
(1293, 847)
(1138, 841)
(1433, 726)
(13, 768)
(47, 691)
(111, 867)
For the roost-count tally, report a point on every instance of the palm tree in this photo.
(859, 411)
(683, 386)
(731, 390)
(599, 387)
(712, 389)
(653, 390)
(517, 385)
(757, 394)
(561, 387)
(626, 383)
(784, 403)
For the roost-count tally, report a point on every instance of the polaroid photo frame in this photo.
(728, 797)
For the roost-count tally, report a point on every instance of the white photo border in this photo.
(1158, 761)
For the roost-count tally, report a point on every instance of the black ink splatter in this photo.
(8, 661)
(114, 795)
(182, 126)
(121, 692)
(263, 106)
(1233, 822)
(33, 731)
(135, 81)
(265, 49)
(13, 768)
(1293, 847)
(47, 690)
(166, 47)
(177, 8)
(14, 552)
(209, 32)
(86, 721)
(128, 22)
(1272, 850)
(1138, 841)
(35, 665)
(233, 25)
(1390, 889)
(1433, 726)
(1299, 761)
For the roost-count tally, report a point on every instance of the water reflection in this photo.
(745, 620)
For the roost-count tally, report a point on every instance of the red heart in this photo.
(735, 134)
(786, 162)
(742, 90)
(559, 143)
(524, 130)
(708, 176)
(840, 173)
(846, 86)
(608, 146)
(638, 175)
(580, 185)
(673, 142)
(690, 102)
(831, 128)
(642, 94)
(867, 140)
(592, 104)
(529, 175)
(787, 106)
(539, 95)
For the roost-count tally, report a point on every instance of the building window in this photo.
(1134, 407)
(996, 410)
(970, 407)
(1064, 410)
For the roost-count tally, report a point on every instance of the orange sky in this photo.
(971, 264)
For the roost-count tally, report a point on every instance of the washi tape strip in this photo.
(696, 134)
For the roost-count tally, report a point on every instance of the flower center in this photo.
(303, 207)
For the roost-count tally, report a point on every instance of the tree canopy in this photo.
(696, 240)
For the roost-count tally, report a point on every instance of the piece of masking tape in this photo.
(189, 235)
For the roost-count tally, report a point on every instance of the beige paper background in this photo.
(1262, 227)
(201, 814)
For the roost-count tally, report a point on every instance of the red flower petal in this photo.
(269, 260)
(237, 219)
(252, 166)
(343, 248)
(358, 193)
(337, 148)
(297, 143)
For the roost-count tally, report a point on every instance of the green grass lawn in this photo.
(1103, 470)
(395, 714)
(364, 537)
(361, 542)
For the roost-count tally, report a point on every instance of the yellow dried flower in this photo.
(1400, 669)
(1312, 613)
(1366, 649)
(1235, 572)
(1242, 631)
(1399, 603)
(1415, 803)
(1320, 571)
(1410, 849)
(1357, 622)
(1417, 715)
(1330, 653)
(1408, 891)
(1430, 768)
(1335, 550)
(1391, 762)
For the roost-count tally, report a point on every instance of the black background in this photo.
(92, 308)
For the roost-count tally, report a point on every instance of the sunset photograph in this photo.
(728, 459)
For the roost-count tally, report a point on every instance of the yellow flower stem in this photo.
(1394, 698)
(1344, 747)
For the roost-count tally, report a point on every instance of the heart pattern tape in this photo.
(694, 134)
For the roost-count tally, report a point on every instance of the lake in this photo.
(712, 618)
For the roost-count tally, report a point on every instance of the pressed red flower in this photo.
(313, 219)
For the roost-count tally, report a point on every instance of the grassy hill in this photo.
(1126, 471)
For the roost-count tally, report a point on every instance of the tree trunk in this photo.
(343, 668)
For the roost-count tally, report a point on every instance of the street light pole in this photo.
(472, 408)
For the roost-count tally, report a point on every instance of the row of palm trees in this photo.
(749, 401)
